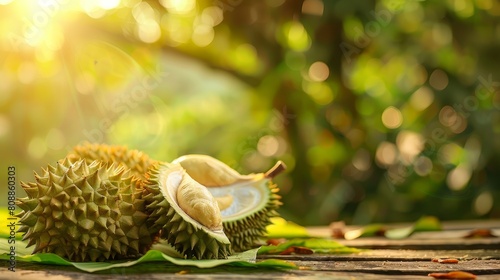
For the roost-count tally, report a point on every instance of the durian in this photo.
(137, 161)
(247, 202)
(187, 212)
(85, 212)
(107, 202)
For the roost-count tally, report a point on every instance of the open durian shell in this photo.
(247, 202)
(187, 214)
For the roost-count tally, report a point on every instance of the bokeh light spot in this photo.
(268, 145)
(109, 4)
(313, 7)
(321, 93)
(212, 15)
(386, 153)
(458, 178)
(392, 117)
(296, 36)
(483, 203)
(438, 79)
(410, 144)
(179, 6)
(441, 34)
(37, 148)
(450, 153)
(203, 35)
(319, 71)
(422, 98)
(423, 166)
(361, 160)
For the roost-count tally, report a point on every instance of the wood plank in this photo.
(395, 255)
(405, 259)
(442, 243)
(478, 267)
(311, 270)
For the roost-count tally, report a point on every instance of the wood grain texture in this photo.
(405, 259)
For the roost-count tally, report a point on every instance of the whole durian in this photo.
(247, 202)
(137, 161)
(85, 212)
(187, 213)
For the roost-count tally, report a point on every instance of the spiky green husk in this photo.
(85, 212)
(190, 239)
(245, 231)
(137, 161)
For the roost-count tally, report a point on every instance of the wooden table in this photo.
(386, 259)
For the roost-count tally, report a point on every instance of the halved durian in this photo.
(187, 213)
(247, 202)
(85, 212)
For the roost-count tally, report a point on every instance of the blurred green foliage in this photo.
(383, 110)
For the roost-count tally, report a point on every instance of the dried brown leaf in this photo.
(453, 275)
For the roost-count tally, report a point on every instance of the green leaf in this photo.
(281, 228)
(425, 223)
(244, 259)
(366, 231)
(318, 245)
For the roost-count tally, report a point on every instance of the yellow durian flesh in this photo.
(193, 198)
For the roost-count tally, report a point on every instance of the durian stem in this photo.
(275, 170)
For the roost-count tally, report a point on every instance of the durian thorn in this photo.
(275, 170)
